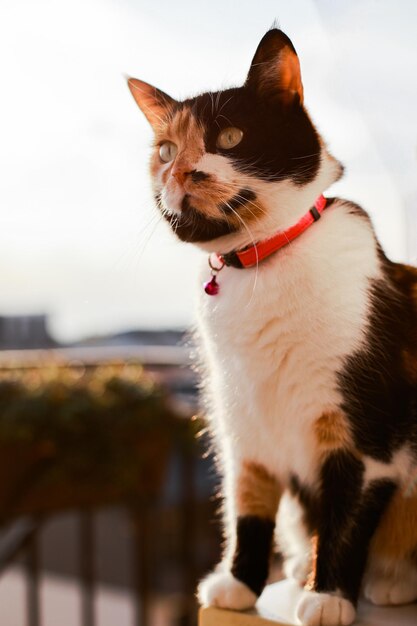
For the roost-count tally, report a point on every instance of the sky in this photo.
(80, 238)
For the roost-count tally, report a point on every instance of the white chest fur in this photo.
(274, 339)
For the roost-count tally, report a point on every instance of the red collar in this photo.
(252, 255)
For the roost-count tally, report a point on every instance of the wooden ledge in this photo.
(221, 617)
(276, 607)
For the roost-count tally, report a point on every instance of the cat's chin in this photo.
(193, 227)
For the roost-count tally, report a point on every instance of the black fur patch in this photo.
(279, 142)
(348, 518)
(378, 398)
(191, 225)
(341, 485)
(354, 551)
(241, 198)
(253, 551)
(355, 209)
(308, 501)
(198, 176)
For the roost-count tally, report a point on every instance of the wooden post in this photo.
(87, 567)
(187, 538)
(140, 514)
(32, 582)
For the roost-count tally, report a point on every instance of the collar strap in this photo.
(252, 255)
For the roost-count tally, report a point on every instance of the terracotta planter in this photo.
(34, 481)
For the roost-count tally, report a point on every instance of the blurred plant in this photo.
(106, 425)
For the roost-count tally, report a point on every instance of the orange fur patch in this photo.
(404, 273)
(312, 576)
(252, 211)
(396, 536)
(184, 130)
(410, 365)
(332, 431)
(206, 195)
(282, 74)
(258, 492)
(154, 103)
(290, 74)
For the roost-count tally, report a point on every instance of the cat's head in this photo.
(238, 164)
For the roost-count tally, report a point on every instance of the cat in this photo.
(309, 338)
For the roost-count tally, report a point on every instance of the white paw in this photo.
(223, 590)
(384, 591)
(324, 609)
(297, 568)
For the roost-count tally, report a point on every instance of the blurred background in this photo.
(107, 498)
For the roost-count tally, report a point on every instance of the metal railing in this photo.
(20, 544)
(196, 537)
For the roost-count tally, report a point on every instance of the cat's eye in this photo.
(167, 151)
(229, 138)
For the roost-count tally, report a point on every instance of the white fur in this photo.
(293, 540)
(276, 335)
(399, 469)
(172, 197)
(274, 339)
(325, 609)
(219, 166)
(223, 590)
(284, 202)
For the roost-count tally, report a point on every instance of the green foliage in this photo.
(99, 424)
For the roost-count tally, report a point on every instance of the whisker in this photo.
(223, 105)
(256, 250)
(212, 103)
(226, 118)
(218, 99)
(306, 156)
(245, 201)
(146, 242)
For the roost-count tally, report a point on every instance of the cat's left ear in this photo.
(154, 103)
(275, 69)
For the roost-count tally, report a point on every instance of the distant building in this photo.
(139, 337)
(19, 332)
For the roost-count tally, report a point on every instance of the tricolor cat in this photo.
(309, 338)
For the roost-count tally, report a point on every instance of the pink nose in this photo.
(180, 174)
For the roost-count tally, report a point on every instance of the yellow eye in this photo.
(168, 151)
(229, 138)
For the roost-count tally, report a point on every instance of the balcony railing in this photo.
(164, 492)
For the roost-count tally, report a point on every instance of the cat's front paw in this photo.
(390, 591)
(324, 609)
(223, 590)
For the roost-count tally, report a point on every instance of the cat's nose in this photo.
(180, 174)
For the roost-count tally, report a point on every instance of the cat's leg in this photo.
(349, 514)
(252, 497)
(294, 538)
(391, 574)
(392, 583)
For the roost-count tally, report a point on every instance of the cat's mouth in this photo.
(193, 225)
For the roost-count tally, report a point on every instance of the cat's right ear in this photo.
(275, 69)
(154, 103)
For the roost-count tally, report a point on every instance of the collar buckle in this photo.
(315, 214)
